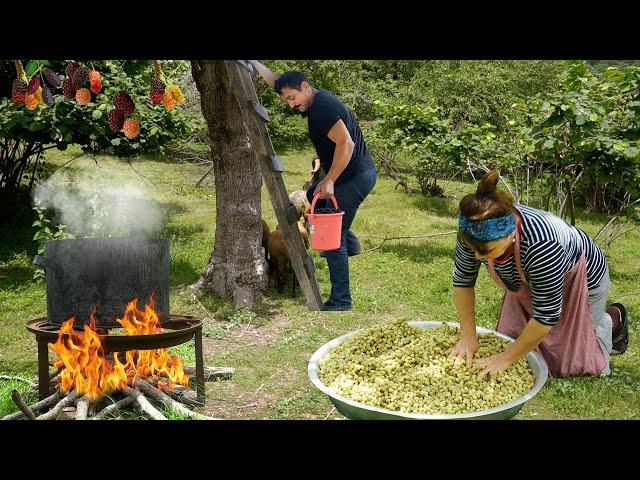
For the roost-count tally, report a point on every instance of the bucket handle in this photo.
(315, 199)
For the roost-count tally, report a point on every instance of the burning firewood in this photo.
(57, 409)
(82, 408)
(114, 407)
(36, 407)
(21, 405)
(143, 404)
(88, 375)
(166, 400)
(211, 373)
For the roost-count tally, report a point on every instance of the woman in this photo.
(555, 279)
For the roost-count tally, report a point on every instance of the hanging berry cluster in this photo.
(75, 85)
(33, 92)
(124, 108)
(163, 91)
(38, 89)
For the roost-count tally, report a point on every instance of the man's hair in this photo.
(292, 79)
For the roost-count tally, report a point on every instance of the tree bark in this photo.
(237, 270)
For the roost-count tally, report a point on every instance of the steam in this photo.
(93, 205)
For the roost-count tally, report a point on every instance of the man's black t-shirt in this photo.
(323, 113)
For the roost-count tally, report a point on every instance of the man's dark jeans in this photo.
(349, 196)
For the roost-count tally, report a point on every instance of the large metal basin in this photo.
(359, 411)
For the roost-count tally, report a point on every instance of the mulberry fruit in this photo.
(175, 91)
(168, 101)
(116, 119)
(31, 101)
(157, 85)
(80, 77)
(68, 90)
(94, 75)
(96, 86)
(52, 78)
(156, 97)
(83, 96)
(95, 81)
(71, 69)
(34, 84)
(19, 90)
(18, 97)
(123, 102)
(131, 128)
(47, 96)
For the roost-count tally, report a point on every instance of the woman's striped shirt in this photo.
(549, 248)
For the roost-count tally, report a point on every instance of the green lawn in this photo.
(270, 347)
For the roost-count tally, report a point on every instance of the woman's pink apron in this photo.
(571, 347)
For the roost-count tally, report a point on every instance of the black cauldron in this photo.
(105, 274)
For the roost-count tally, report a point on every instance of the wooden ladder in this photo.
(255, 116)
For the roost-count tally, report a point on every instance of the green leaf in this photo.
(96, 114)
(116, 141)
(32, 66)
(593, 117)
(549, 143)
(580, 120)
(631, 152)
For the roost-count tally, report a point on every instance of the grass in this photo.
(270, 345)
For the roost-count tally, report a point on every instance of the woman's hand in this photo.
(493, 365)
(465, 348)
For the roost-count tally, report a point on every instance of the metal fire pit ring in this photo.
(179, 329)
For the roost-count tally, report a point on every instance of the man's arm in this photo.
(341, 157)
(267, 74)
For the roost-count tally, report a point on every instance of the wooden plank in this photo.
(309, 265)
(263, 148)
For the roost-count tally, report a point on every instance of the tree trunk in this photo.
(237, 269)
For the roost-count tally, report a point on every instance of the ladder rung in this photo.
(262, 112)
(246, 65)
(276, 164)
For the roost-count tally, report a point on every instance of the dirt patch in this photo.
(244, 335)
(224, 398)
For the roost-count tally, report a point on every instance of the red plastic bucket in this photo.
(325, 229)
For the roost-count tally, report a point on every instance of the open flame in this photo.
(89, 371)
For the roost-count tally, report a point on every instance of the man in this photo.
(350, 172)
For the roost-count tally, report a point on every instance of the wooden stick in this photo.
(188, 397)
(166, 400)
(210, 373)
(82, 408)
(17, 399)
(112, 408)
(52, 399)
(179, 393)
(55, 411)
(143, 404)
(177, 388)
(19, 379)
